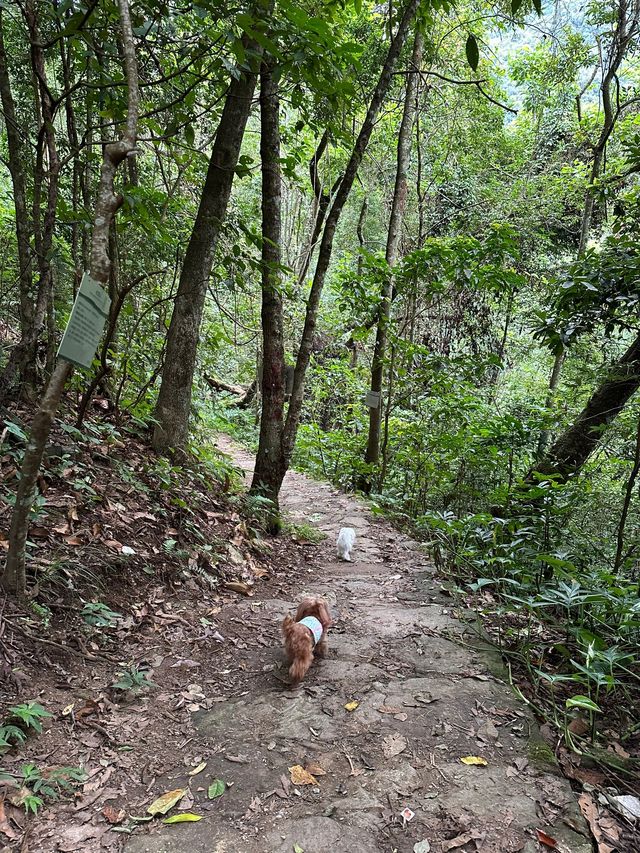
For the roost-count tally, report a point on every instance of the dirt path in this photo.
(427, 698)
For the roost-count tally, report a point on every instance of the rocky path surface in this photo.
(427, 696)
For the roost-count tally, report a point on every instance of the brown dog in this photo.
(306, 634)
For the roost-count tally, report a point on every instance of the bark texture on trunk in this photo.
(572, 449)
(333, 216)
(269, 467)
(16, 160)
(554, 381)
(394, 234)
(21, 366)
(628, 494)
(174, 399)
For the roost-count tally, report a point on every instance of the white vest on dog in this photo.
(315, 626)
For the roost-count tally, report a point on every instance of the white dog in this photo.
(345, 543)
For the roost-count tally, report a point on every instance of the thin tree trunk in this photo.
(554, 381)
(627, 502)
(269, 466)
(21, 364)
(398, 205)
(326, 245)
(572, 449)
(14, 578)
(387, 415)
(174, 399)
(16, 161)
(318, 208)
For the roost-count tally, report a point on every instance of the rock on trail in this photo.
(427, 696)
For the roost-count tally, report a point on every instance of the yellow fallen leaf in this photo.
(166, 801)
(299, 776)
(351, 706)
(475, 760)
(198, 769)
(187, 817)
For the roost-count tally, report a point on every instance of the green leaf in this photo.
(515, 5)
(537, 5)
(358, 6)
(473, 54)
(297, 849)
(187, 817)
(216, 789)
(584, 703)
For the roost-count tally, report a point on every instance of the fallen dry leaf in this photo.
(239, 586)
(591, 812)
(5, 827)
(113, 816)
(547, 840)
(389, 709)
(393, 745)
(315, 769)
(474, 760)
(166, 801)
(351, 706)
(299, 776)
(460, 840)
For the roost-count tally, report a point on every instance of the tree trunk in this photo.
(318, 209)
(398, 205)
(174, 399)
(107, 203)
(569, 453)
(16, 158)
(22, 361)
(554, 381)
(633, 476)
(269, 466)
(326, 245)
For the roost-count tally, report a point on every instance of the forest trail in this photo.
(427, 696)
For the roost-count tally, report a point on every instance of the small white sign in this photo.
(86, 323)
(373, 399)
